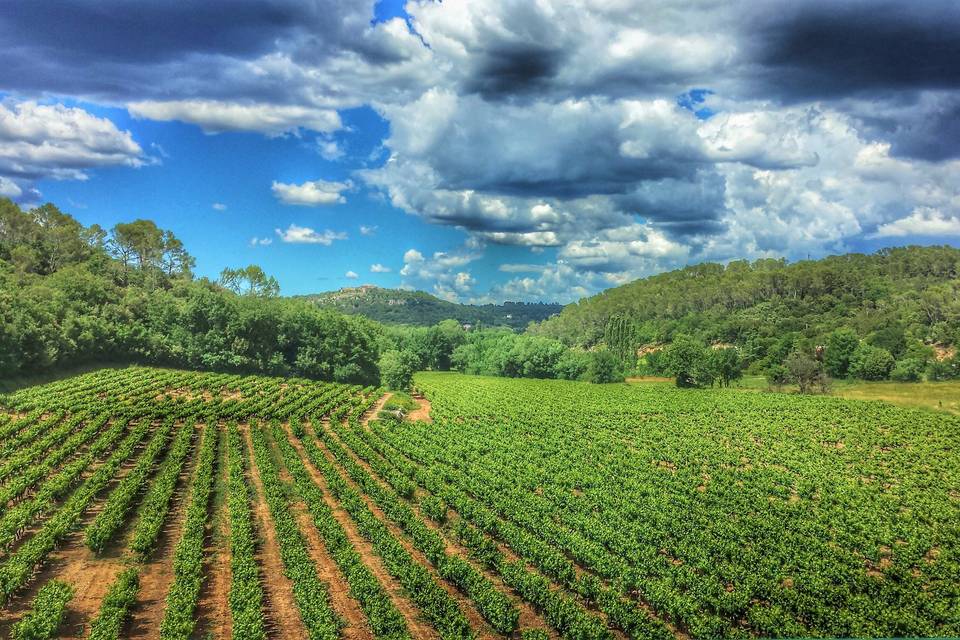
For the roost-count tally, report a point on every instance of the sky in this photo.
(488, 150)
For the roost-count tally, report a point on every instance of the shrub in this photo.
(908, 370)
(603, 368)
(948, 369)
(871, 363)
(397, 369)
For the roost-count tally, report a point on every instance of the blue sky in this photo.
(488, 149)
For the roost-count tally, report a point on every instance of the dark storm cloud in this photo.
(514, 69)
(828, 49)
(131, 50)
(922, 126)
(682, 208)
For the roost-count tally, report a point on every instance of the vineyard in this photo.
(154, 503)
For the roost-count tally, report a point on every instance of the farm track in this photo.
(156, 574)
(419, 628)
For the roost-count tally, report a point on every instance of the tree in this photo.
(840, 348)
(397, 369)
(777, 376)
(175, 260)
(250, 281)
(908, 370)
(619, 336)
(871, 363)
(686, 361)
(140, 242)
(603, 367)
(725, 364)
(806, 372)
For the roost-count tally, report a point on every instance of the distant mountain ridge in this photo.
(398, 306)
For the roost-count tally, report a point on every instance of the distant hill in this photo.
(893, 298)
(396, 306)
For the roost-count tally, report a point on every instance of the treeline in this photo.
(71, 294)
(491, 352)
(892, 314)
(417, 308)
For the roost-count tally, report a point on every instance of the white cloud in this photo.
(379, 268)
(924, 221)
(9, 188)
(329, 149)
(311, 193)
(295, 234)
(442, 273)
(219, 206)
(366, 230)
(260, 242)
(217, 117)
(351, 275)
(522, 268)
(55, 141)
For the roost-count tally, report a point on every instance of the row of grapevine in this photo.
(114, 514)
(20, 565)
(493, 605)
(310, 593)
(435, 603)
(246, 593)
(178, 620)
(384, 618)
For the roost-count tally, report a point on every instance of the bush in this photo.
(940, 370)
(573, 365)
(777, 376)
(685, 361)
(603, 368)
(807, 372)
(871, 363)
(841, 345)
(908, 370)
(397, 369)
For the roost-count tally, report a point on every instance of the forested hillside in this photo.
(904, 300)
(71, 294)
(396, 306)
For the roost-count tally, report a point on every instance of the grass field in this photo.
(150, 503)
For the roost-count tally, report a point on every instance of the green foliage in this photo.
(766, 308)
(116, 606)
(946, 369)
(840, 348)
(249, 281)
(686, 361)
(908, 370)
(777, 376)
(48, 611)
(620, 337)
(871, 363)
(397, 369)
(71, 295)
(806, 372)
(726, 364)
(604, 367)
(416, 308)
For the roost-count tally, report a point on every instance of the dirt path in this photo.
(422, 412)
(419, 629)
(213, 607)
(477, 623)
(91, 575)
(282, 618)
(156, 575)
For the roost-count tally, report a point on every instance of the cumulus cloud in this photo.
(260, 242)
(219, 206)
(296, 234)
(368, 230)
(40, 141)
(314, 193)
(351, 275)
(922, 222)
(379, 268)
(218, 117)
(621, 142)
